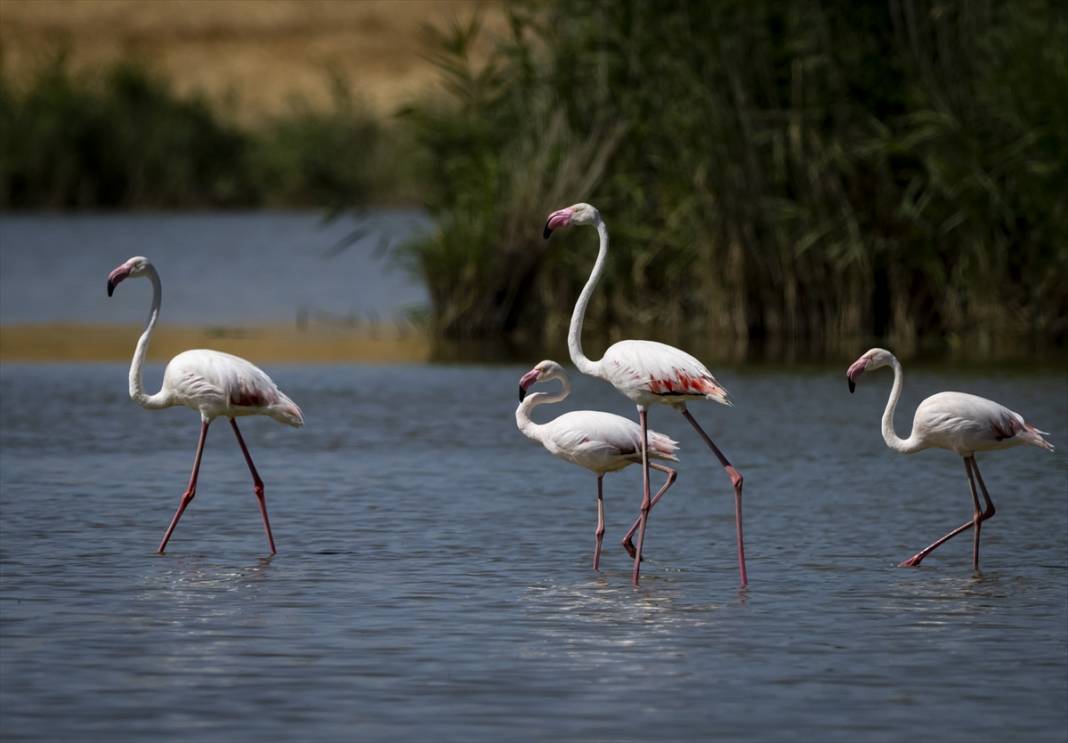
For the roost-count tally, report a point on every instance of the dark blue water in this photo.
(218, 269)
(433, 574)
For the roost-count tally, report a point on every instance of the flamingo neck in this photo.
(529, 428)
(137, 389)
(895, 442)
(574, 336)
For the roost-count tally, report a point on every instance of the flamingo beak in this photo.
(526, 380)
(559, 218)
(116, 276)
(855, 370)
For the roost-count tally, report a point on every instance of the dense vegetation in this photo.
(774, 175)
(771, 173)
(125, 139)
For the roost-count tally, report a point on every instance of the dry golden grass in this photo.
(263, 51)
(259, 345)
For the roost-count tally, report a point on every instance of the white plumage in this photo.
(213, 383)
(600, 442)
(956, 421)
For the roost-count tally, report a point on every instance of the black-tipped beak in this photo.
(522, 393)
(852, 385)
(547, 231)
(111, 288)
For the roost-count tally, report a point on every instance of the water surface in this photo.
(433, 575)
(241, 268)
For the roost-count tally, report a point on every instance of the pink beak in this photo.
(116, 276)
(855, 370)
(559, 218)
(526, 380)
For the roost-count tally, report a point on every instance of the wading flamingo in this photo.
(956, 421)
(600, 442)
(648, 373)
(212, 383)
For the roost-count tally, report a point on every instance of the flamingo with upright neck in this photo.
(213, 383)
(600, 442)
(647, 372)
(956, 421)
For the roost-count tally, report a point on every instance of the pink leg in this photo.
(671, 475)
(977, 519)
(257, 484)
(600, 523)
(643, 517)
(191, 489)
(736, 481)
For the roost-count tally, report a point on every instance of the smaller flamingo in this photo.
(956, 421)
(213, 383)
(600, 442)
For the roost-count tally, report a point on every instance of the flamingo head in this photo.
(873, 358)
(575, 214)
(135, 266)
(544, 371)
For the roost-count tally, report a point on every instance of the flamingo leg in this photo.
(671, 476)
(599, 534)
(190, 490)
(977, 519)
(736, 482)
(257, 483)
(643, 517)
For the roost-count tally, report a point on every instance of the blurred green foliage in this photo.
(125, 139)
(807, 174)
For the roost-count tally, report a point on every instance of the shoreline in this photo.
(264, 344)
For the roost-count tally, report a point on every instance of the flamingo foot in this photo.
(631, 549)
(912, 562)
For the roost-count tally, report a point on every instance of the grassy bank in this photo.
(260, 345)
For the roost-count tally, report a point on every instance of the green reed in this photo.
(774, 175)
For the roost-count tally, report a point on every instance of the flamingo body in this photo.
(600, 442)
(958, 422)
(218, 384)
(647, 372)
(652, 373)
(213, 383)
(966, 424)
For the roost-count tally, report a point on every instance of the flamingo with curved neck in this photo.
(600, 442)
(956, 421)
(213, 383)
(647, 372)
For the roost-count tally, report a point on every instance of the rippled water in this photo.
(433, 571)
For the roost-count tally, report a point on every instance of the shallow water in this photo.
(226, 269)
(433, 574)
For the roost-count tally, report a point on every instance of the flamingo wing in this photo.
(967, 423)
(661, 371)
(225, 384)
(592, 438)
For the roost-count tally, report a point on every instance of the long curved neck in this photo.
(890, 436)
(137, 389)
(529, 428)
(574, 336)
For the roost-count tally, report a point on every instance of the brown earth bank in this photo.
(260, 345)
(260, 53)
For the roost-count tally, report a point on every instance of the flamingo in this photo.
(647, 372)
(212, 383)
(956, 421)
(600, 442)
